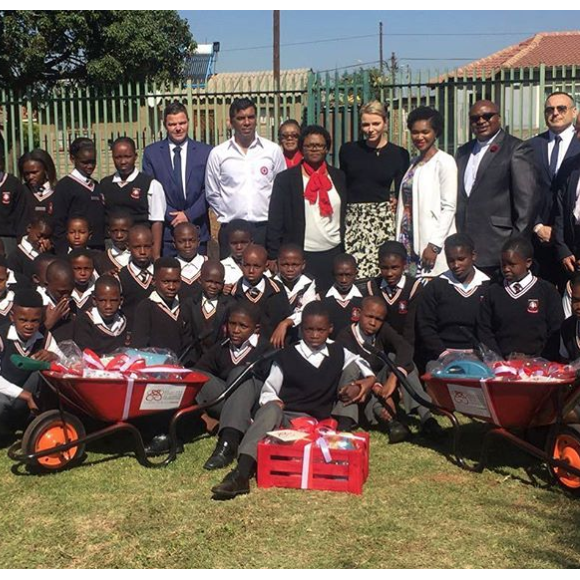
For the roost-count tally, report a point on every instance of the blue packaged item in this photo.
(468, 369)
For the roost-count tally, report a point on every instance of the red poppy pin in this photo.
(355, 315)
(493, 148)
(533, 306)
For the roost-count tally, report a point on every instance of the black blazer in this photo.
(504, 198)
(286, 217)
(548, 186)
(564, 221)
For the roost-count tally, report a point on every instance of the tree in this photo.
(39, 48)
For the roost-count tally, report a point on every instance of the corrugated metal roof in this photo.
(258, 80)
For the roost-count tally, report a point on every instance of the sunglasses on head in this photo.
(560, 108)
(484, 116)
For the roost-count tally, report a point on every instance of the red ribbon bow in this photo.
(318, 187)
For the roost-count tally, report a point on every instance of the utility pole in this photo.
(276, 66)
(381, 47)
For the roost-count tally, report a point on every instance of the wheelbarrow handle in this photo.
(29, 364)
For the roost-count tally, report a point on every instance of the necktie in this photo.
(177, 167)
(517, 288)
(144, 276)
(253, 292)
(554, 157)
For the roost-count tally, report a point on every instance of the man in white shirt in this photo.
(240, 174)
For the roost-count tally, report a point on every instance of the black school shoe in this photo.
(397, 431)
(233, 484)
(160, 445)
(223, 454)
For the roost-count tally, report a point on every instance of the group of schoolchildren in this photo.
(87, 268)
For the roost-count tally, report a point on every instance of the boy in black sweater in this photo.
(186, 241)
(12, 209)
(82, 263)
(223, 363)
(134, 192)
(400, 291)
(38, 239)
(157, 321)
(305, 380)
(204, 316)
(344, 299)
(256, 288)
(78, 194)
(117, 256)
(300, 289)
(60, 307)
(451, 302)
(137, 276)
(524, 314)
(23, 336)
(102, 328)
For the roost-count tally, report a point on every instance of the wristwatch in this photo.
(435, 249)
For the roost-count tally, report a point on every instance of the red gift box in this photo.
(310, 464)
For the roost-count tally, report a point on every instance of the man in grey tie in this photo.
(497, 195)
(554, 151)
(179, 163)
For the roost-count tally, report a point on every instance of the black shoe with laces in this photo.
(233, 484)
(223, 454)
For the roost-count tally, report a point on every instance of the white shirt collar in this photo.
(567, 134)
(46, 299)
(81, 298)
(261, 285)
(400, 284)
(155, 297)
(524, 282)
(173, 145)
(252, 341)
(308, 352)
(11, 277)
(479, 145)
(114, 326)
(354, 292)
(131, 177)
(27, 247)
(361, 336)
(253, 144)
(78, 175)
(136, 270)
(302, 282)
(13, 335)
(478, 279)
(8, 299)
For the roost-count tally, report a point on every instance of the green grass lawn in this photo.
(417, 510)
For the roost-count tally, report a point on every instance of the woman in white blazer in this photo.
(427, 197)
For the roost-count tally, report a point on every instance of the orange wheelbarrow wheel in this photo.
(48, 430)
(567, 448)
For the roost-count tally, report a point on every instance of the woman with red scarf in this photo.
(288, 135)
(308, 206)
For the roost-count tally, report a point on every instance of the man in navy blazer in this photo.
(497, 196)
(179, 164)
(554, 152)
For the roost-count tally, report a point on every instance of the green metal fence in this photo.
(136, 109)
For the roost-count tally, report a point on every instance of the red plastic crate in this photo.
(280, 465)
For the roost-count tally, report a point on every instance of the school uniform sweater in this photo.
(64, 327)
(158, 324)
(6, 304)
(526, 322)
(343, 309)
(12, 206)
(223, 357)
(204, 322)
(39, 202)
(111, 259)
(84, 299)
(131, 197)
(269, 298)
(401, 301)
(570, 339)
(190, 275)
(75, 195)
(91, 331)
(136, 285)
(445, 307)
(21, 260)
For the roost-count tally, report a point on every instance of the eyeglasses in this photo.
(287, 136)
(560, 108)
(484, 116)
(314, 147)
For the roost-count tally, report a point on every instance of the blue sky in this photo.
(421, 39)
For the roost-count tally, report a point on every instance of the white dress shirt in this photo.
(155, 196)
(479, 150)
(298, 304)
(233, 272)
(273, 384)
(566, 135)
(321, 233)
(183, 152)
(115, 326)
(238, 184)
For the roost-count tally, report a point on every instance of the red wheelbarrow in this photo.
(56, 439)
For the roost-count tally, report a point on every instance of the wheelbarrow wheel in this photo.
(567, 448)
(47, 431)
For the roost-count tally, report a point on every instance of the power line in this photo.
(400, 58)
(342, 38)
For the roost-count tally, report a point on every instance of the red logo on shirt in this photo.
(135, 193)
(264, 170)
(533, 306)
(6, 197)
(403, 307)
(355, 315)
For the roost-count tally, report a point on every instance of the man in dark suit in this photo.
(567, 214)
(498, 195)
(179, 163)
(554, 152)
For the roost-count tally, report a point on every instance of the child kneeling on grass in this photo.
(305, 380)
